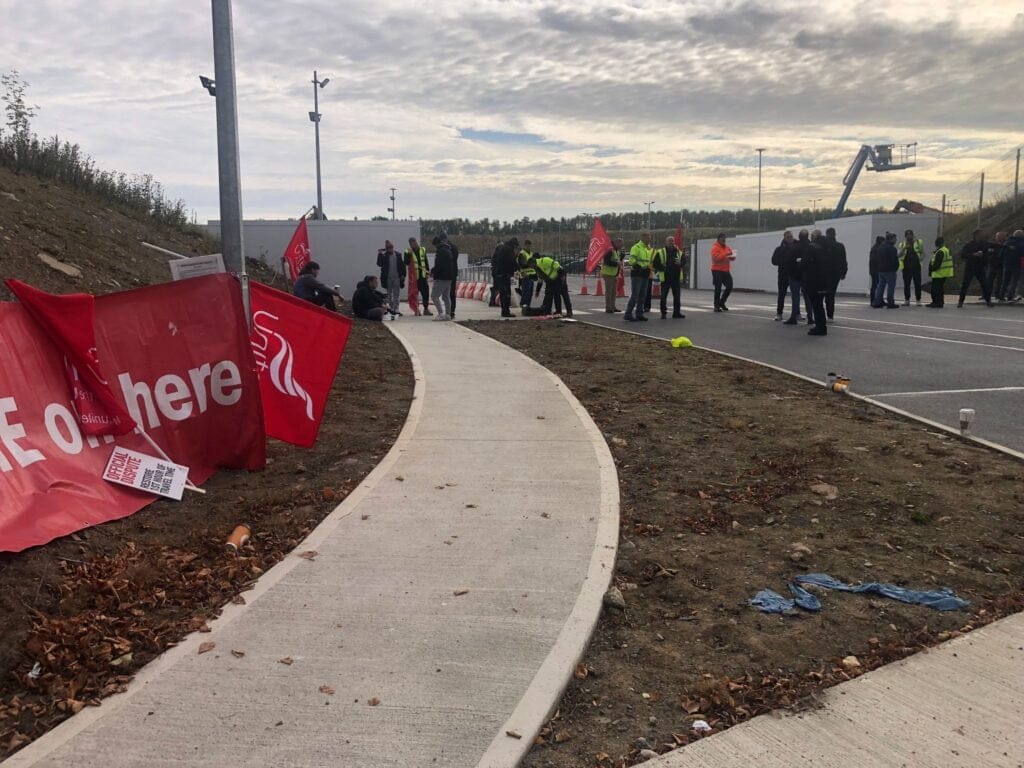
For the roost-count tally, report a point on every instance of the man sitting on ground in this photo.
(312, 290)
(367, 301)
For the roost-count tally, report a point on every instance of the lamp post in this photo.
(314, 117)
(649, 204)
(392, 208)
(760, 153)
(814, 206)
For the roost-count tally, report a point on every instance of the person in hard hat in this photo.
(527, 276)
(640, 256)
(722, 258)
(975, 255)
(416, 257)
(910, 253)
(611, 263)
(940, 270)
(555, 288)
(668, 263)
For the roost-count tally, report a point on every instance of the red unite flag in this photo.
(298, 346)
(679, 237)
(69, 323)
(297, 252)
(600, 244)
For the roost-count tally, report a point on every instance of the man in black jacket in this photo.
(781, 258)
(443, 273)
(503, 267)
(888, 260)
(837, 268)
(873, 267)
(668, 263)
(975, 256)
(367, 301)
(798, 255)
(816, 278)
(312, 290)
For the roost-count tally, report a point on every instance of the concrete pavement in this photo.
(449, 600)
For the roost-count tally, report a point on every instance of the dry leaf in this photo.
(514, 734)
(364, 517)
(471, 506)
(373, 702)
(238, 600)
(287, 660)
(204, 628)
(460, 592)
(581, 671)
(309, 554)
(561, 736)
(545, 514)
(399, 478)
(328, 689)
(209, 645)
(237, 654)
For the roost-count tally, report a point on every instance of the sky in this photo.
(512, 108)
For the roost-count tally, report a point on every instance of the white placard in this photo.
(196, 266)
(147, 473)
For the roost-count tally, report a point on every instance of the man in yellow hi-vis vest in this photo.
(911, 252)
(416, 257)
(640, 257)
(940, 269)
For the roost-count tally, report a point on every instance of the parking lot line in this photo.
(950, 391)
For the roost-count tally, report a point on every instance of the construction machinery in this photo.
(880, 157)
(912, 206)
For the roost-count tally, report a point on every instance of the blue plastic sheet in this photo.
(769, 601)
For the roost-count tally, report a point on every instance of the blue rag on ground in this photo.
(768, 601)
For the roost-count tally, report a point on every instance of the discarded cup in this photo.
(841, 385)
(701, 726)
(238, 537)
(966, 418)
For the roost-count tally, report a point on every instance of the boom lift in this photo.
(883, 157)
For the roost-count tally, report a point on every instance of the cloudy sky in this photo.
(506, 108)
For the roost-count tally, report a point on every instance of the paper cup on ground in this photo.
(966, 419)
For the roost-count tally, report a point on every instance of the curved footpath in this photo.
(450, 597)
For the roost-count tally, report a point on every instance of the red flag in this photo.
(600, 244)
(69, 323)
(679, 237)
(297, 252)
(298, 347)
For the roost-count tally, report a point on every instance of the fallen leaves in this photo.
(237, 653)
(207, 646)
(373, 702)
(309, 554)
(327, 689)
(460, 592)
(287, 661)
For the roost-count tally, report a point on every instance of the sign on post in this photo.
(196, 266)
(147, 473)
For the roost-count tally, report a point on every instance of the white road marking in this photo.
(950, 391)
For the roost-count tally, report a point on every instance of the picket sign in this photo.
(147, 473)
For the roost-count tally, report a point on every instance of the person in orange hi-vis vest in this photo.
(722, 258)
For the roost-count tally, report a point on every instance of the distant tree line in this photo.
(23, 151)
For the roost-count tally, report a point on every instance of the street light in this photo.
(760, 152)
(814, 206)
(391, 210)
(314, 118)
(209, 85)
(649, 216)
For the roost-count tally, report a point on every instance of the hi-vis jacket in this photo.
(640, 256)
(418, 259)
(918, 250)
(525, 270)
(942, 263)
(548, 267)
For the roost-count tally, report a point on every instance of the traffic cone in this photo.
(600, 287)
(620, 287)
(584, 291)
(656, 291)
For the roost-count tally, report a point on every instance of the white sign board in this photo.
(147, 473)
(196, 266)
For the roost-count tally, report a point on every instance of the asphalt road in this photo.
(925, 361)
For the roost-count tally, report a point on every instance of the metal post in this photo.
(942, 216)
(1016, 181)
(227, 147)
(392, 208)
(760, 153)
(316, 132)
(981, 198)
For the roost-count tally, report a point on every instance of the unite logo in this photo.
(281, 361)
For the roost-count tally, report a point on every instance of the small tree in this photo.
(19, 117)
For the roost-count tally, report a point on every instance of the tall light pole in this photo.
(760, 153)
(814, 206)
(223, 89)
(314, 117)
(392, 208)
(649, 217)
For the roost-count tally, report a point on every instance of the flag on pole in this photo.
(679, 236)
(69, 323)
(297, 252)
(600, 244)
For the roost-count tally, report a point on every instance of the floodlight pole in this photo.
(760, 153)
(316, 132)
(649, 204)
(227, 147)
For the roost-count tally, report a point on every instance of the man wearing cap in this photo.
(416, 256)
(392, 275)
(312, 290)
(910, 252)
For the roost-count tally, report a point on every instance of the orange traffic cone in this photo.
(584, 291)
(600, 287)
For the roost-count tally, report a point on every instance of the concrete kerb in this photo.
(1018, 455)
(55, 738)
(550, 681)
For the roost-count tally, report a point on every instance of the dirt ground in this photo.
(716, 460)
(93, 607)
